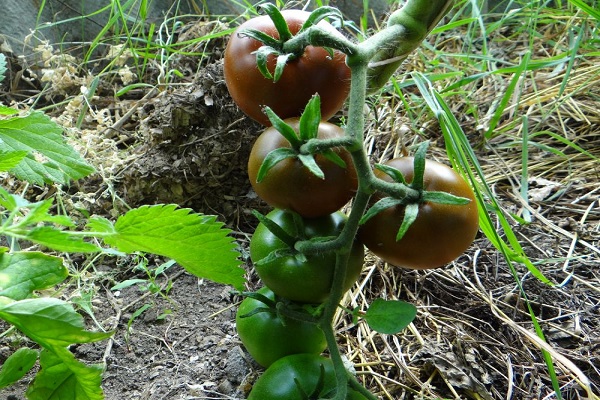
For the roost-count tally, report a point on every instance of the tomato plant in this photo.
(440, 233)
(298, 377)
(290, 185)
(269, 336)
(295, 276)
(312, 71)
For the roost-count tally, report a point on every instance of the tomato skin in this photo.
(440, 233)
(278, 381)
(306, 281)
(314, 72)
(268, 337)
(289, 185)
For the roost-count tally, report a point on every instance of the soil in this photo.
(187, 144)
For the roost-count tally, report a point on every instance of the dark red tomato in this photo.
(440, 233)
(297, 376)
(313, 72)
(289, 185)
(269, 337)
(306, 280)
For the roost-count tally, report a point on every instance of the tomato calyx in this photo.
(283, 308)
(277, 47)
(412, 198)
(307, 133)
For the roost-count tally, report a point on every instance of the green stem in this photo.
(314, 146)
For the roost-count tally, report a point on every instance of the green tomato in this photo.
(305, 279)
(269, 337)
(297, 376)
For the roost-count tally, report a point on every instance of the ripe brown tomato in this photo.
(289, 185)
(440, 233)
(315, 71)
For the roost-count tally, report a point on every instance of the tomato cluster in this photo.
(307, 188)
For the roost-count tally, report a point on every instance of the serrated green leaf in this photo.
(40, 137)
(444, 198)
(63, 377)
(8, 110)
(40, 212)
(390, 316)
(100, 225)
(378, 207)
(273, 158)
(17, 365)
(49, 322)
(308, 160)
(310, 119)
(198, 243)
(411, 211)
(60, 240)
(23, 272)
(10, 159)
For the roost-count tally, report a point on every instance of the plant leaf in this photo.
(308, 160)
(198, 243)
(23, 272)
(282, 127)
(391, 172)
(444, 198)
(49, 322)
(63, 377)
(39, 136)
(60, 240)
(334, 158)
(390, 316)
(17, 365)
(272, 159)
(10, 159)
(411, 211)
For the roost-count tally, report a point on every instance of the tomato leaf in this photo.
(197, 242)
(310, 119)
(49, 158)
(334, 157)
(444, 198)
(390, 316)
(419, 166)
(17, 365)
(279, 21)
(308, 160)
(379, 206)
(272, 159)
(392, 173)
(63, 377)
(411, 211)
(24, 272)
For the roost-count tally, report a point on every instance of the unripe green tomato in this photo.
(269, 337)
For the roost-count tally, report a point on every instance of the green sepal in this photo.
(276, 230)
(334, 158)
(270, 304)
(419, 166)
(411, 211)
(282, 60)
(276, 255)
(379, 206)
(444, 198)
(261, 37)
(287, 131)
(272, 159)
(320, 14)
(392, 173)
(278, 20)
(310, 119)
(262, 58)
(308, 160)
